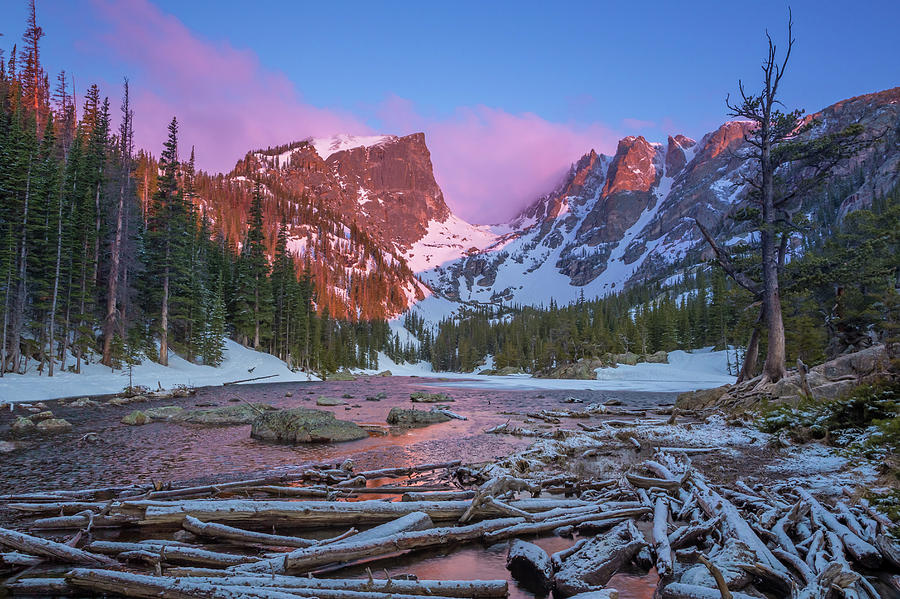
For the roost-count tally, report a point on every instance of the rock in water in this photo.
(136, 418)
(341, 375)
(401, 417)
(228, 415)
(329, 401)
(22, 425)
(54, 425)
(423, 397)
(530, 565)
(593, 565)
(163, 412)
(303, 425)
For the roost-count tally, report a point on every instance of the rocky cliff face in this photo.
(616, 220)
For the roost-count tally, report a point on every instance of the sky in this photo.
(509, 94)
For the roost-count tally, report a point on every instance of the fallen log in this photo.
(39, 587)
(256, 378)
(647, 482)
(860, 550)
(677, 590)
(445, 588)
(531, 566)
(317, 514)
(407, 523)
(19, 559)
(303, 560)
(597, 560)
(160, 587)
(437, 496)
(222, 531)
(398, 472)
(664, 557)
(83, 520)
(63, 508)
(51, 549)
(530, 528)
(175, 553)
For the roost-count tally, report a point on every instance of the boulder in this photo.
(423, 397)
(341, 375)
(304, 425)
(859, 364)
(84, 402)
(136, 418)
(700, 399)
(45, 415)
(402, 417)
(834, 390)
(584, 369)
(22, 425)
(7, 447)
(377, 397)
(530, 566)
(385, 373)
(508, 370)
(225, 416)
(628, 358)
(330, 401)
(163, 412)
(660, 357)
(54, 425)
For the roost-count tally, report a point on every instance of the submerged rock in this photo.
(224, 416)
(423, 397)
(164, 412)
(402, 417)
(136, 418)
(304, 425)
(54, 425)
(329, 401)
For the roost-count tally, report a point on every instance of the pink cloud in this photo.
(226, 102)
(489, 162)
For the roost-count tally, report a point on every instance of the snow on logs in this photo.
(706, 540)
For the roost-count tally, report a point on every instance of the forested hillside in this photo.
(109, 254)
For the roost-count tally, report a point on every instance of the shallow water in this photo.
(170, 452)
(163, 452)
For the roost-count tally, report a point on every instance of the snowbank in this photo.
(700, 369)
(96, 379)
(686, 371)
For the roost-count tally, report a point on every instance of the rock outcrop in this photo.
(404, 417)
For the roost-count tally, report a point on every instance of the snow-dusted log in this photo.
(50, 549)
(221, 531)
(531, 528)
(217, 488)
(444, 588)
(735, 525)
(890, 549)
(437, 496)
(665, 560)
(174, 553)
(161, 587)
(594, 564)
(860, 550)
(398, 472)
(83, 520)
(530, 565)
(648, 482)
(39, 587)
(315, 514)
(407, 523)
(19, 559)
(303, 560)
(795, 562)
(677, 590)
(63, 508)
(787, 522)
(560, 556)
(690, 535)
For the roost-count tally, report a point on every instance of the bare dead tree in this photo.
(789, 165)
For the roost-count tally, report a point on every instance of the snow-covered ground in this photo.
(96, 379)
(686, 371)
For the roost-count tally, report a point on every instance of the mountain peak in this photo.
(326, 146)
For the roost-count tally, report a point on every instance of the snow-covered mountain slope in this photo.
(617, 220)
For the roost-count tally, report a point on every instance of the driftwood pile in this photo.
(270, 538)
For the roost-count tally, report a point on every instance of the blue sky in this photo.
(598, 70)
